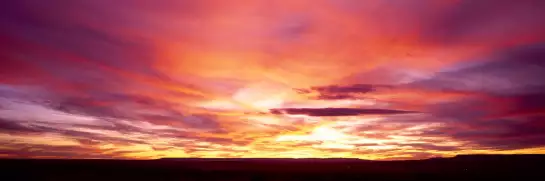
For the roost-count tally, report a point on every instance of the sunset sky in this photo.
(369, 79)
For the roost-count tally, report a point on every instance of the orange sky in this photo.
(284, 78)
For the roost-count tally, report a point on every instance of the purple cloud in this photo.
(336, 92)
(337, 111)
(486, 21)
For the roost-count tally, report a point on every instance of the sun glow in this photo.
(322, 133)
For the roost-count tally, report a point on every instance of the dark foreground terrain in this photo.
(468, 167)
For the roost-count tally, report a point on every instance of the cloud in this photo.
(38, 113)
(80, 55)
(412, 156)
(12, 126)
(426, 146)
(202, 121)
(505, 72)
(359, 88)
(338, 92)
(48, 151)
(486, 124)
(503, 122)
(118, 105)
(82, 133)
(506, 133)
(104, 109)
(337, 111)
(500, 109)
(487, 21)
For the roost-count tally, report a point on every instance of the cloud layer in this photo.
(182, 78)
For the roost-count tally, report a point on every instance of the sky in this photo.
(380, 79)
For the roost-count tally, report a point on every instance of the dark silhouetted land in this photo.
(464, 167)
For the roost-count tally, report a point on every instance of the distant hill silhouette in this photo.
(461, 167)
(499, 156)
(267, 159)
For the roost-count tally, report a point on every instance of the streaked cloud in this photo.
(336, 111)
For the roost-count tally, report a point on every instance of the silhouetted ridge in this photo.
(462, 167)
(486, 157)
(266, 159)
